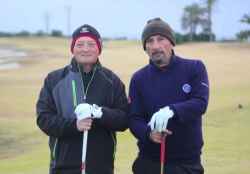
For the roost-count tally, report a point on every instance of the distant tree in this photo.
(203, 37)
(23, 33)
(56, 33)
(120, 38)
(5, 34)
(245, 19)
(192, 17)
(244, 34)
(207, 23)
(180, 38)
(40, 33)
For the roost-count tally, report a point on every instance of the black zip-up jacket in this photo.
(62, 91)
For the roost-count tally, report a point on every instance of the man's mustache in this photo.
(157, 52)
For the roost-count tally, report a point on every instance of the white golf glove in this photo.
(96, 111)
(159, 120)
(83, 110)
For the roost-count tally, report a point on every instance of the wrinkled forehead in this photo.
(156, 37)
(85, 39)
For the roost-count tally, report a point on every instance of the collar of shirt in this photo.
(165, 68)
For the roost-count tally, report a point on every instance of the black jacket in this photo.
(61, 92)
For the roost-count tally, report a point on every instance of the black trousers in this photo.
(146, 166)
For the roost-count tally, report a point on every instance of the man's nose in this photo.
(85, 47)
(155, 45)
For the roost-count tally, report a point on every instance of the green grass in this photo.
(227, 132)
(24, 148)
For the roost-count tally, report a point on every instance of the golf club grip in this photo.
(163, 149)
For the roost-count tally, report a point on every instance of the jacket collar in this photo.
(165, 68)
(74, 65)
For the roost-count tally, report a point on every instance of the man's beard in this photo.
(159, 59)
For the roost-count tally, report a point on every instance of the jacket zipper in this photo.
(84, 98)
(87, 88)
(75, 101)
(54, 150)
(74, 104)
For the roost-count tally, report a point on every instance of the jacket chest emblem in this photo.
(186, 88)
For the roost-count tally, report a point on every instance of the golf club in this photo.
(85, 134)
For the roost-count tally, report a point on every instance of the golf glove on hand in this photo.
(96, 111)
(159, 120)
(83, 110)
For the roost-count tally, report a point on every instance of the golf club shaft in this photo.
(84, 151)
(163, 144)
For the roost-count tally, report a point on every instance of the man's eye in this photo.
(149, 40)
(79, 45)
(161, 38)
(91, 44)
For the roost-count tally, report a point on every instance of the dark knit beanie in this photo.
(157, 26)
(87, 31)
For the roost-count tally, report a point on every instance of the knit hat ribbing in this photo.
(157, 26)
(86, 31)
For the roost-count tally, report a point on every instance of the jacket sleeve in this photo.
(115, 117)
(137, 121)
(197, 103)
(48, 119)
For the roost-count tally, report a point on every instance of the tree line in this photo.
(24, 33)
(200, 15)
(244, 34)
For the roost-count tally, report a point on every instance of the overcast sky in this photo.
(115, 18)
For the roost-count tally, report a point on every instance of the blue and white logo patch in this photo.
(186, 88)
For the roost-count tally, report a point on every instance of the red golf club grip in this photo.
(163, 147)
(82, 166)
(162, 156)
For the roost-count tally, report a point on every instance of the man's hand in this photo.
(157, 136)
(83, 111)
(84, 124)
(159, 120)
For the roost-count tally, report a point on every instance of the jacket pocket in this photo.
(53, 153)
(67, 154)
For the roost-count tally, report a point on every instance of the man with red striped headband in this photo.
(83, 98)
